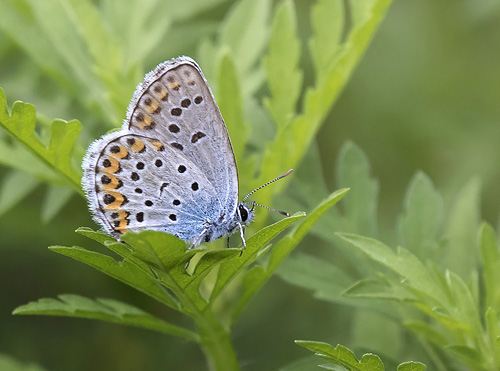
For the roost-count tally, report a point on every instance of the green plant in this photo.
(441, 282)
(97, 63)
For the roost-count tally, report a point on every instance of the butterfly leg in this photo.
(227, 242)
(242, 234)
(197, 239)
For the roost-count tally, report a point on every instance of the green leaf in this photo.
(490, 258)
(342, 356)
(465, 307)
(282, 65)
(124, 271)
(325, 280)
(493, 334)
(465, 354)
(360, 208)
(462, 231)
(403, 263)
(255, 244)
(327, 20)
(384, 288)
(15, 186)
(9, 363)
(245, 31)
(421, 222)
(412, 366)
(21, 125)
(429, 332)
(230, 103)
(345, 358)
(102, 309)
(255, 279)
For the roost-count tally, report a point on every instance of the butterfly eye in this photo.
(243, 213)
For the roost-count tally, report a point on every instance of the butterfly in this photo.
(171, 166)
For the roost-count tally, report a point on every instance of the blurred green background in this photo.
(425, 96)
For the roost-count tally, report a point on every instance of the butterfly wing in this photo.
(171, 167)
(176, 106)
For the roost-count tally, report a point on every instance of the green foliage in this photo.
(7, 363)
(446, 306)
(92, 55)
(155, 263)
(61, 137)
(343, 357)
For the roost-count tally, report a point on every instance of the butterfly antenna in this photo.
(264, 185)
(269, 208)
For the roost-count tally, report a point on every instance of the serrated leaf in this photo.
(345, 358)
(124, 271)
(291, 143)
(403, 262)
(342, 356)
(282, 65)
(412, 366)
(244, 31)
(108, 310)
(327, 19)
(421, 221)
(229, 99)
(15, 186)
(21, 125)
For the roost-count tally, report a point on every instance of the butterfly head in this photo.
(245, 214)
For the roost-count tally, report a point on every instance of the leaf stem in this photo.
(216, 343)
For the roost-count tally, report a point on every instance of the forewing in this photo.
(175, 105)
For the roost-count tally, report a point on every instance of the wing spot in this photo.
(198, 99)
(139, 217)
(114, 215)
(197, 136)
(105, 179)
(140, 165)
(108, 198)
(173, 217)
(173, 128)
(181, 169)
(138, 190)
(158, 163)
(177, 146)
(176, 111)
(176, 202)
(134, 176)
(195, 186)
(185, 103)
(148, 203)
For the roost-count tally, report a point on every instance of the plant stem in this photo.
(216, 343)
